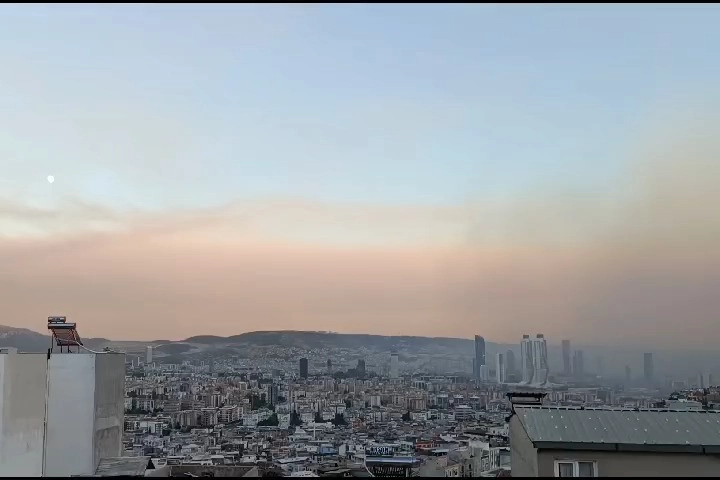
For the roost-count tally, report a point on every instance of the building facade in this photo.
(551, 442)
(60, 415)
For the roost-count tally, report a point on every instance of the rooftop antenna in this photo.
(64, 334)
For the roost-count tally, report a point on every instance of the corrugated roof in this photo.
(123, 467)
(546, 426)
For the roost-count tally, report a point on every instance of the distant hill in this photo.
(23, 339)
(30, 341)
(614, 358)
(303, 339)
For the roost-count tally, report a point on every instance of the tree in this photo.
(406, 416)
(339, 419)
(318, 418)
(295, 420)
(257, 401)
(272, 421)
(348, 403)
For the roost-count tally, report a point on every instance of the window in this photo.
(574, 468)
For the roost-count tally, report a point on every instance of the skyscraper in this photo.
(540, 360)
(526, 360)
(479, 354)
(303, 368)
(329, 366)
(578, 364)
(648, 366)
(148, 355)
(273, 392)
(500, 368)
(566, 358)
(394, 365)
(510, 363)
(484, 373)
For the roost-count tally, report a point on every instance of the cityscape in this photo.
(324, 411)
(359, 240)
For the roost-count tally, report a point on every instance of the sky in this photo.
(440, 170)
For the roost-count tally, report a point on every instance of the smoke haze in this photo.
(632, 261)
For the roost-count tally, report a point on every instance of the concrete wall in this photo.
(23, 383)
(109, 406)
(632, 464)
(85, 412)
(71, 407)
(523, 455)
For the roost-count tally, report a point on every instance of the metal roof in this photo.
(636, 430)
(392, 460)
(123, 467)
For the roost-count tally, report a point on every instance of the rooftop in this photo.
(124, 467)
(622, 429)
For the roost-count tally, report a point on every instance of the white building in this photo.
(526, 360)
(533, 358)
(484, 374)
(540, 360)
(500, 368)
(59, 416)
(148, 355)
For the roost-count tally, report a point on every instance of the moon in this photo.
(50, 179)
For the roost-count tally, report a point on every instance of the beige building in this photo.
(566, 442)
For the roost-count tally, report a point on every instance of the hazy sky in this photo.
(418, 169)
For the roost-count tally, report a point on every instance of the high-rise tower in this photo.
(479, 355)
(540, 363)
(567, 367)
(500, 368)
(648, 366)
(526, 359)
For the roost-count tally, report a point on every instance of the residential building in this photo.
(547, 442)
